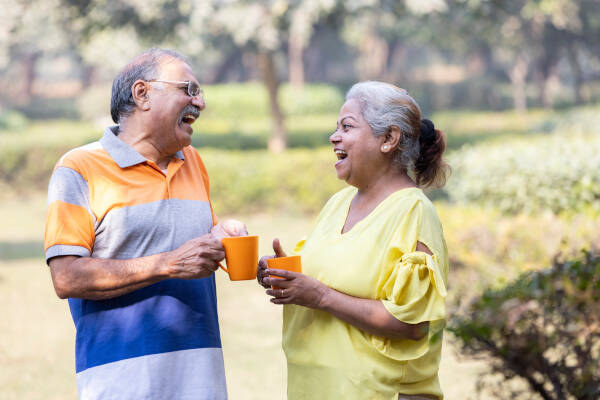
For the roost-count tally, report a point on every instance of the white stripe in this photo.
(187, 374)
(87, 147)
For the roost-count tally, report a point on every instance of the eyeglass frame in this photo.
(188, 83)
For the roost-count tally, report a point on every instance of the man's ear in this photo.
(391, 139)
(139, 91)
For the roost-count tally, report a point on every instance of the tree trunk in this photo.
(295, 57)
(518, 79)
(278, 140)
(577, 74)
(373, 58)
(29, 62)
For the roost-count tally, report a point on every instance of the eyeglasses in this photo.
(192, 88)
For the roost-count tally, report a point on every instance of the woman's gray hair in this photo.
(383, 106)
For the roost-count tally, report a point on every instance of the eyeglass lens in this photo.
(193, 89)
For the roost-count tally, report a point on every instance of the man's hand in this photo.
(229, 227)
(196, 258)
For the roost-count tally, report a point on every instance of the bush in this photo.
(12, 120)
(544, 327)
(239, 101)
(255, 181)
(552, 172)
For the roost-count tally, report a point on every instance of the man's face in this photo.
(172, 109)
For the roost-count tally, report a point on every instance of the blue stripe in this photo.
(167, 316)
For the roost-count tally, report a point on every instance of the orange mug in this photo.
(291, 263)
(241, 255)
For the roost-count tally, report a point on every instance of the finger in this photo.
(282, 283)
(282, 273)
(263, 261)
(278, 249)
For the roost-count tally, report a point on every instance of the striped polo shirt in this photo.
(161, 342)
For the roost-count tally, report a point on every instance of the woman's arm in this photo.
(365, 314)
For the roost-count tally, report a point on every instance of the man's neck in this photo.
(141, 140)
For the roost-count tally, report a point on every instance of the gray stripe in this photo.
(151, 228)
(66, 250)
(69, 186)
(187, 374)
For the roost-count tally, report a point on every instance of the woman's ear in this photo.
(391, 139)
(139, 92)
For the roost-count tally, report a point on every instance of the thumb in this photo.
(278, 249)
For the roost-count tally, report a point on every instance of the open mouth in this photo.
(188, 118)
(341, 154)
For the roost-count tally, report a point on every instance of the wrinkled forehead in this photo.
(351, 109)
(171, 68)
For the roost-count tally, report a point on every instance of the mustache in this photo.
(189, 109)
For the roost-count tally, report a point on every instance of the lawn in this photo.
(37, 335)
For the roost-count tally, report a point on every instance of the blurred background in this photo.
(515, 85)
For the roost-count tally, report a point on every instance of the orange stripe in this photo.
(68, 224)
(110, 187)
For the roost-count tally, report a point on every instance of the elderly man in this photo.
(128, 240)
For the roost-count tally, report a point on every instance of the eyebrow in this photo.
(346, 116)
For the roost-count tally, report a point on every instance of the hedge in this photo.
(554, 173)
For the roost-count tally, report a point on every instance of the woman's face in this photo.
(357, 149)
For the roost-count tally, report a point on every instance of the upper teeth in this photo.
(340, 152)
(189, 116)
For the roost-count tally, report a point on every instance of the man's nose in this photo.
(199, 102)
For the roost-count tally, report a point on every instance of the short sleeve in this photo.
(69, 220)
(413, 292)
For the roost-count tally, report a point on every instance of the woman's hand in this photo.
(262, 264)
(296, 288)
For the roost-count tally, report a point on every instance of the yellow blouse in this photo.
(377, 259)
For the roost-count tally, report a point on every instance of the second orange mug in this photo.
(241, 255)
(291, 263)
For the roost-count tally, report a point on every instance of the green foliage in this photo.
(554, 172)
(543, 327)
(257, 181)
(250, 100)
(12, 120)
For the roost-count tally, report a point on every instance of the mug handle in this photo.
(223, 268)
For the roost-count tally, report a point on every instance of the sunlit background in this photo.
(515, 85)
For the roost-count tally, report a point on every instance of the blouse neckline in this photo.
(373, 212)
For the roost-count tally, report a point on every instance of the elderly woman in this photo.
(365, 319)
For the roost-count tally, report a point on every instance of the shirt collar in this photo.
(123, 154)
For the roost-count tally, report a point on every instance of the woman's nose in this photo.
(334, 138)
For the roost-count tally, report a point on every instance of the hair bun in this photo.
(427, 131)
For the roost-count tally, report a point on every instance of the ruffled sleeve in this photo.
(414, 291)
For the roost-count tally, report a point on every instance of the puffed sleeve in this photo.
(413, 292)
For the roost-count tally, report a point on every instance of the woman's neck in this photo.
(378, 189)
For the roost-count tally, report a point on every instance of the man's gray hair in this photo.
(144, 67)
(383, 106)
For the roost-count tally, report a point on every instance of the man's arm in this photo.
(98, 279)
